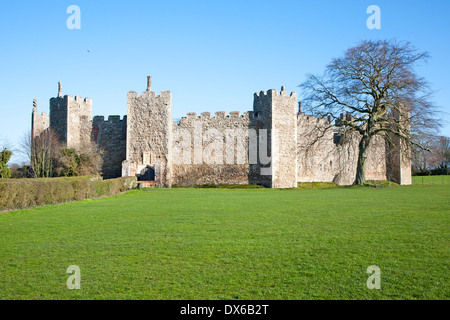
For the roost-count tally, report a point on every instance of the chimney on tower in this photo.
(59, 90)
(299, 107)
(149, 83)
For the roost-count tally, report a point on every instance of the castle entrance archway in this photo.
(147, 174)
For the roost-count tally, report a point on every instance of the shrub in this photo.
(22, 193)
(5, 155)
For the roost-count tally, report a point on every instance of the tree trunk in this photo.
(362, 157)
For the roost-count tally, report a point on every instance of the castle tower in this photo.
(149, 135)
(277, 114)
(398, 152)
(39, 122)
(71, 119)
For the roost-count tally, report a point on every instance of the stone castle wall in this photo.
(322, 158)
(110, 135)
(210, 150)
(272, 145)
(79, 122)
(261, 168)
(149, 134)
(215, 150)
(71, 119)
(59, 117)
(398, 154)
(284, 139)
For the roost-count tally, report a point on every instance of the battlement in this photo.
(87, 101)
(111, 119)
(265, 101)
(42, 114)
(254, 115)
(218, 115)
(305, 119)
(59, 102)
(191, 115)
(57, 99)
(343, 117)
(152, 94)
(273, 93)
(69, 97)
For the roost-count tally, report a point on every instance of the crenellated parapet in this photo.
(310, 120)
(110, 120)
(219, 118)
(263, 99)
(107, 128)
(163, 95)
(71, 119)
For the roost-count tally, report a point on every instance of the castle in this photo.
(275, 145)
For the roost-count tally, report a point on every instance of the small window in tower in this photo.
(146, 158)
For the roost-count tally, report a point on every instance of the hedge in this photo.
(23, 193)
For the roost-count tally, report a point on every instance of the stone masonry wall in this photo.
(110, 136)
(149, 134)
(284, 139)
(215, 150)
(39, 122)
(71, 119)
(59, 117)
(210, 150)
(79, 122)
(322, 159)
(261, 170)
(398, 154)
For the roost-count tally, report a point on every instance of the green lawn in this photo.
(233, 244)
(431, 179)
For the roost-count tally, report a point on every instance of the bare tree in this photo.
(6, 144)
(25, 147)
(41, 151)
(422, 157)
(375, 85)
(441, 154)
(47, 156)
(434, 158)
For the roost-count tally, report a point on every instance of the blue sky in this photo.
(212, 55)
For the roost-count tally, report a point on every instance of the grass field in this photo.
(233, 244)
(431, 180)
